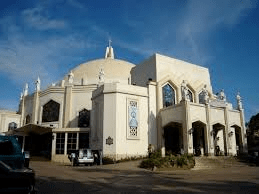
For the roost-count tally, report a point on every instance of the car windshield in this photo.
(9, 146)
(85, 153)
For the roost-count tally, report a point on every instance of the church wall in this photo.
(115, 121)
(217, 116)
(198, 113)
(195, 75)
(172, 114)
(57, 97)
(128, 146)
(109, 128)
(28, 106)
(6, 118)
(234, 117)
(141, 73)
(80, 100)
(96, 133)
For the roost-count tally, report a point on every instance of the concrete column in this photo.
(178, 95)
(77, 140)
(35, 108)
(226, 131)
(160, 136)
(196, 97)
(152, 114)
(53, 151)
(209, 131)
(67, 106)
(243, 132)
(159, 106)
(187, 128)
(159, 102)
(65, 148)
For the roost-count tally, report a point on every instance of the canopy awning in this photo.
(30, 129)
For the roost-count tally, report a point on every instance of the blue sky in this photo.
(47, 38)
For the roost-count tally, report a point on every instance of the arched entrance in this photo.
(219, 139)
(173, 136)
(238, 137)
(199, 138)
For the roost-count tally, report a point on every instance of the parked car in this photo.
(14, 176)
(81, 156)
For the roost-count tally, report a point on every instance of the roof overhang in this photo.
(30, 129)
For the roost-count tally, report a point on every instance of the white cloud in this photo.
(203, 16)
(38, 18)
(76, 4)
(23, 58)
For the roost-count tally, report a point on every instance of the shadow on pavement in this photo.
(141, 183)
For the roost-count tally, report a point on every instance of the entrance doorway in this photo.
(199, 138)
(173, 137)
(219, 139)
(238, 136)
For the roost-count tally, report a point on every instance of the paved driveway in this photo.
(126, 177)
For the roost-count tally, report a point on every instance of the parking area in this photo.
(126, 177)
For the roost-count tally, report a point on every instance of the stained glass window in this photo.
(133, 119)
(84, 118)
(189, 95)
(50, 111)
(168, 96)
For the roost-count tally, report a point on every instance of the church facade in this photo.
(121, 109)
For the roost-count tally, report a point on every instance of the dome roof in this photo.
(114, 70)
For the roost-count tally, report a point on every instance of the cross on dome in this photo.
(109, 51)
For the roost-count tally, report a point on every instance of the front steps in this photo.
(214, 162)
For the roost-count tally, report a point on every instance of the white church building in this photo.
(121, 109)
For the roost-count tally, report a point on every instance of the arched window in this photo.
(12, 126)
(84, 118)
(189, 95)
(168, 95)
(27, 119)
(50, 111)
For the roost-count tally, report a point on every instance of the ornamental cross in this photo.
(109, 141)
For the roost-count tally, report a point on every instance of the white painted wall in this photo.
(172, 114)
(127, 147)
(141, 73)
(217, 116)
(195, 75)
(7, 117)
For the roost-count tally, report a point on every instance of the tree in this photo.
(253, 131)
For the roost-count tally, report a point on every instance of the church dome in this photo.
(113, 70)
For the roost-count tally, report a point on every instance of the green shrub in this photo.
(156, 154)
(157, 160)
(150, 163)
